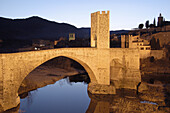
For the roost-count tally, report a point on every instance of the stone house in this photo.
(130, 41)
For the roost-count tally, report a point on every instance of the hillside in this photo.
(119, 32)
(37, 28)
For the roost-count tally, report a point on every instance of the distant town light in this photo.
(41, 45)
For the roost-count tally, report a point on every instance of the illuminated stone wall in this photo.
(100, 34)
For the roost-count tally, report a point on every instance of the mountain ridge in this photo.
(36, 27)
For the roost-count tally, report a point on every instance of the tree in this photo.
(164, 23)
(140, 26)
(153, 43)
(151, 26)
(152, 59)
(154, 23)
(147, 24)
(157, 44)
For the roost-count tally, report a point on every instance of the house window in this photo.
(148, 48)
(142, 48)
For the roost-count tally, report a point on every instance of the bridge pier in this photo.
(9, 104)
(102, 74)
(9, 96)
(101, 89)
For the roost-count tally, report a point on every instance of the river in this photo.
(62, 97)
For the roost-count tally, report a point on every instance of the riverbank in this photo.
(155, 85)
(155, 72)
(153, 66)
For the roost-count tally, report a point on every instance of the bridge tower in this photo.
(100, 34)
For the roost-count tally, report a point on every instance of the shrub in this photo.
(152, 59)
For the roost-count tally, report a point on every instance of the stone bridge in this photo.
(108, 68)
(102, 66)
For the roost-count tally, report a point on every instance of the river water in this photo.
(62, 97)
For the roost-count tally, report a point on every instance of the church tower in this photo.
(160, 21)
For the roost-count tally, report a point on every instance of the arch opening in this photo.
(75, 66)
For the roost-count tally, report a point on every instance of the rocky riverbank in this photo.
(155, 85)
(153, 66)
(124, 102)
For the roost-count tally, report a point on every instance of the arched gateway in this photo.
(97, 61)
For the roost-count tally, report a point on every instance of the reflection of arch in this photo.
(86, 67)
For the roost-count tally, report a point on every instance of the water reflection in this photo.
(149, 102)
(62, 97)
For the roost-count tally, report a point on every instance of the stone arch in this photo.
(85, 65)
(18, 65)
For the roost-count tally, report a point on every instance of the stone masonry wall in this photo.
(158, 54)
(100, 35)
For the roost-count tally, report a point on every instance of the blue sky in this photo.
(124, 14)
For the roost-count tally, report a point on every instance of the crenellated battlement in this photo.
(101, 12)
(104, 12)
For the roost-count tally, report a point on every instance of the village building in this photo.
(130, 41)
(72, 36)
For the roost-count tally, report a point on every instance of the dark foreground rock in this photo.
(101, 89)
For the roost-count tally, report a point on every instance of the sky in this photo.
(124, 14)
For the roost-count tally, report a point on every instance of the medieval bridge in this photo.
(101, 62)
